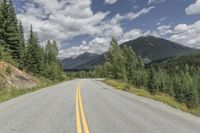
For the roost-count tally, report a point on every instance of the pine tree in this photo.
(51, 51)
(116, 60)
(3, 11)
(151, 81)
(35, 54)
(53, 69)
(11, 33)
(169, 89)
(179, 89)
(160, 80)
(1, 23)
(22, 45)
(108, 70)
(131, 62)
(190, 92)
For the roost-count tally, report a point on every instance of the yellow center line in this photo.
(80, 111)
(85, 125)
(78, 122)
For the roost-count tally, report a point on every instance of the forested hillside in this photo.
(27, 55)
(151, 49)
(178, 78)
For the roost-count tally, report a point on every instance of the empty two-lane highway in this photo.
(83, 106)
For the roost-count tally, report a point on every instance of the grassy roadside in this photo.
(9, 93)
(158, 97)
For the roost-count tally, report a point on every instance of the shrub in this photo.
(9, 69)
(2, 85)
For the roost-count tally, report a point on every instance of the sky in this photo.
(81, 26)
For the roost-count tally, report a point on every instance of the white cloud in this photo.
(193, 9)
(133, 34)
(65, 19)
(61, 20)
(110, 1)
(101, 44)
(109, 28)
(151, 2)
(132, 15)
(164, 30)
(187, 34)
(184, 34)
(97, 45)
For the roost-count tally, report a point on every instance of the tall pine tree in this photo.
(34, 55)
(11, 33)
(116, 61)
(3, 11)
(22, 45)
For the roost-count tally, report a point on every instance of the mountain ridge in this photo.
(150, 48)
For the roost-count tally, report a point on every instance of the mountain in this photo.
(192, 60)
(151, 49)
(85, 61)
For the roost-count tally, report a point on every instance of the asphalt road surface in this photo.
(83, 106)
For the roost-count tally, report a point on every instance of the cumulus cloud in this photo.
(100, 44)
(109, 28)
(151, 2)
(187, 34)
(193, 9)
(97, 45)
(110, 1)
(184, 34)
(61, 20)
(164, 30)
(133, 34)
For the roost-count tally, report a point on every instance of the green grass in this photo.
(9, 93)
(121, 85)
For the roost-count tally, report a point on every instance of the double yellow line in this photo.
(80, 113)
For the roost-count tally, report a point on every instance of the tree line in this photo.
(177, 81)
(27, 54)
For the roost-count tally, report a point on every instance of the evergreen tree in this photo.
(190, 92)
(151, 82)
(22, 45)
(53, 69)
(108, 70)
(169, 88)
(51, 51)
(160, 80)
(35, 55)
(131, 62)
(99, 71)
(179, 88)
(11, 33)
(1, 24)
(116, 61)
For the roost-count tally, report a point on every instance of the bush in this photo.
(5, 55)
(54, 72)
(9, 69)
(2, 85)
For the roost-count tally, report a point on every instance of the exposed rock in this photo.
(13, 77)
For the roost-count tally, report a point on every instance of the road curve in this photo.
(89, 105)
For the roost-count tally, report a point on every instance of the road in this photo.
(91, 106)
